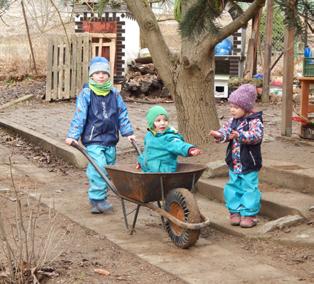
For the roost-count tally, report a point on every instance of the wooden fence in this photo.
(67, 66)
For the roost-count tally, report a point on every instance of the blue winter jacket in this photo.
(98, 119)
(161, 151)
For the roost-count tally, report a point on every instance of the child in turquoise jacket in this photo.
(163, 144)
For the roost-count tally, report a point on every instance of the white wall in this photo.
(132, 40)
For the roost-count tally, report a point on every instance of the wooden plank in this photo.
(49, 70)
(78, 65)
(267, 51)
(250, 66)
(304, 103)
(287, 94)
(112, 56)
(86, 58)
(54, 93)
(60, 70)
(73, 65)
(67, 66)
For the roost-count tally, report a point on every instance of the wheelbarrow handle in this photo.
(97, 168)
(135, 146)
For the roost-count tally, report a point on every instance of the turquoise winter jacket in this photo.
(161, 151)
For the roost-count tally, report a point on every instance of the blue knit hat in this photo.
(152, 113)
(244, 97)
(98, 64)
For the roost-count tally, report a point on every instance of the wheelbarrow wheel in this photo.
(181, 204)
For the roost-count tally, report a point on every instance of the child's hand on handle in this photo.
(194, 152)
(216, 134)
(69, 141)
(234, 135)
(131, 138)
(138, 166)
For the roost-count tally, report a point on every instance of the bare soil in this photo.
(82, 254)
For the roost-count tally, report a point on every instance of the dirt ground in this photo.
(81, 251)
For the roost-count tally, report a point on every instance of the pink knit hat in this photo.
(244, 97)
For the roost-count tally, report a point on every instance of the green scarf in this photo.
(100, 89)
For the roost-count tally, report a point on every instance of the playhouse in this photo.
(114, 35)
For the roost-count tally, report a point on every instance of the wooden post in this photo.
(288, 70)
(250, 66)
(267, 53)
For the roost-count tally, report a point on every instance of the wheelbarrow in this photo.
(179, 211)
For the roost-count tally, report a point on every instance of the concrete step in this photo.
(219, 218)
(289, 230)
(299, 178)
(288, 175)
(276, 202)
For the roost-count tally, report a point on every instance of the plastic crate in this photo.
(308, 67)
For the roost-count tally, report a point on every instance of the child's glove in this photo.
(194, 151)
(216, 134)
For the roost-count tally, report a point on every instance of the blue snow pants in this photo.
(242, 195)
(102, 155)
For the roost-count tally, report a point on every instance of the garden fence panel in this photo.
(67, 66)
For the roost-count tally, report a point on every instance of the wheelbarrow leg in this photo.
(124, 214)
(135, 218)
(162, 218)
(193, 184)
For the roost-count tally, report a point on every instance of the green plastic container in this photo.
(308, 67)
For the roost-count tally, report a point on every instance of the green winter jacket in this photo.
(161, 151)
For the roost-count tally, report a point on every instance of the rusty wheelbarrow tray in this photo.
(183, 219)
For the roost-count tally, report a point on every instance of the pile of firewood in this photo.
(142, 81)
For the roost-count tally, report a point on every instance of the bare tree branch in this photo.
(60, 18)
(209, 42)
(29, 37)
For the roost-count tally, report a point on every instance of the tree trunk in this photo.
(195, 103)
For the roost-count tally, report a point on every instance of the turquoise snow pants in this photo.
(242, 195)
(102, 155)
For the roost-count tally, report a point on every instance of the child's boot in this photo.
(248, 221)
(100, 206)
(235, 219)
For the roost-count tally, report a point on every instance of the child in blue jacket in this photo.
(244, 132)
(162, 144)
(100, 115)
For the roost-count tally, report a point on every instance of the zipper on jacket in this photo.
(91, 134)
(252, 158)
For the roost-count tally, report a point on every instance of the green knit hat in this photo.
(152, 113)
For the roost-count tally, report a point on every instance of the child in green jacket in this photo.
(163, 144)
